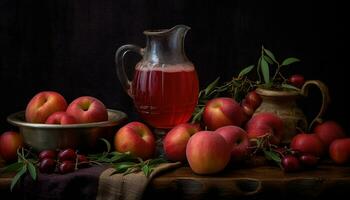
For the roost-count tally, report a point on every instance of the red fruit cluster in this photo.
(64, 162)
(50, 107)
(296, 162)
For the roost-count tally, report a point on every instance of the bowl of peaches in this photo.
(49, 122)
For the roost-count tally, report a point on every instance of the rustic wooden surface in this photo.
(259, 182)
(245, 183)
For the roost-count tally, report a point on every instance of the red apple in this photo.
(253, 99)
(176, 139)
(43, 104)
(339, 150)
(308, 144)
(10, 141)
(297, 80)
(221, 112)
(266, 123)
(207, 152)
(60, 117)
(328, 131)
(136, 138)
(238, 140)
(87, 109)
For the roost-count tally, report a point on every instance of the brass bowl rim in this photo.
(114, 118)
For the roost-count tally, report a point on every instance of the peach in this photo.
(329, 131)
(175, 141)
(266, 123)
(238, 140)
(60, 118)
(207, 152)
(339, 150)
(87, 109)
(43, 104)
(221, 112)
(136, 138)
(308, 144)
(10, 141)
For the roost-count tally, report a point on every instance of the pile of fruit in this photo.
(64, 162)
(50, 107)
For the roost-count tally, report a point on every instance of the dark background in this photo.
(69, 45)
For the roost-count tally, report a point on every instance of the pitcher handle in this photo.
(325, 98)
(120, 66)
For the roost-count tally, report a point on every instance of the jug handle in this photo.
(120, 66)
(325, 99)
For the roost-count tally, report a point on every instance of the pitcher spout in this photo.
(180, 29)
(166, 45)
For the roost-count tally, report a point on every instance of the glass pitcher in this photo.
(165, 83)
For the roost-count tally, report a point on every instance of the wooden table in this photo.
(250, 183)
(257, 183)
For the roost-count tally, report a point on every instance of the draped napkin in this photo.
(127, 187)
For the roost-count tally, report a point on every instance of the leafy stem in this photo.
(125, 163)
(21, 167)
(270, 151)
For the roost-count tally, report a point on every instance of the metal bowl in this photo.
(78, 136)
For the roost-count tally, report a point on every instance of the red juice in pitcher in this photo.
(165, 95)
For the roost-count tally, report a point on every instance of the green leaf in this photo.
(272, 156)
(198, 116)
(32, 170)
(211, 86)
(270, 54)
(289, 61)
(131, 170)
(121, 156)
(13, 167)
(107, 144)
(245, 71)
(258, 70)
(265, 70)
(18, 176)
(123, 166)
(157, 161)
(268, 59)
(287, 86)
(147, 170)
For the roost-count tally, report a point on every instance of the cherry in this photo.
(308, 160)
(66, 166)
(253, 99)
(290, 163)
(47, 165)
(67, 154)
(47, 154)
(83, 161)
(297, 80)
